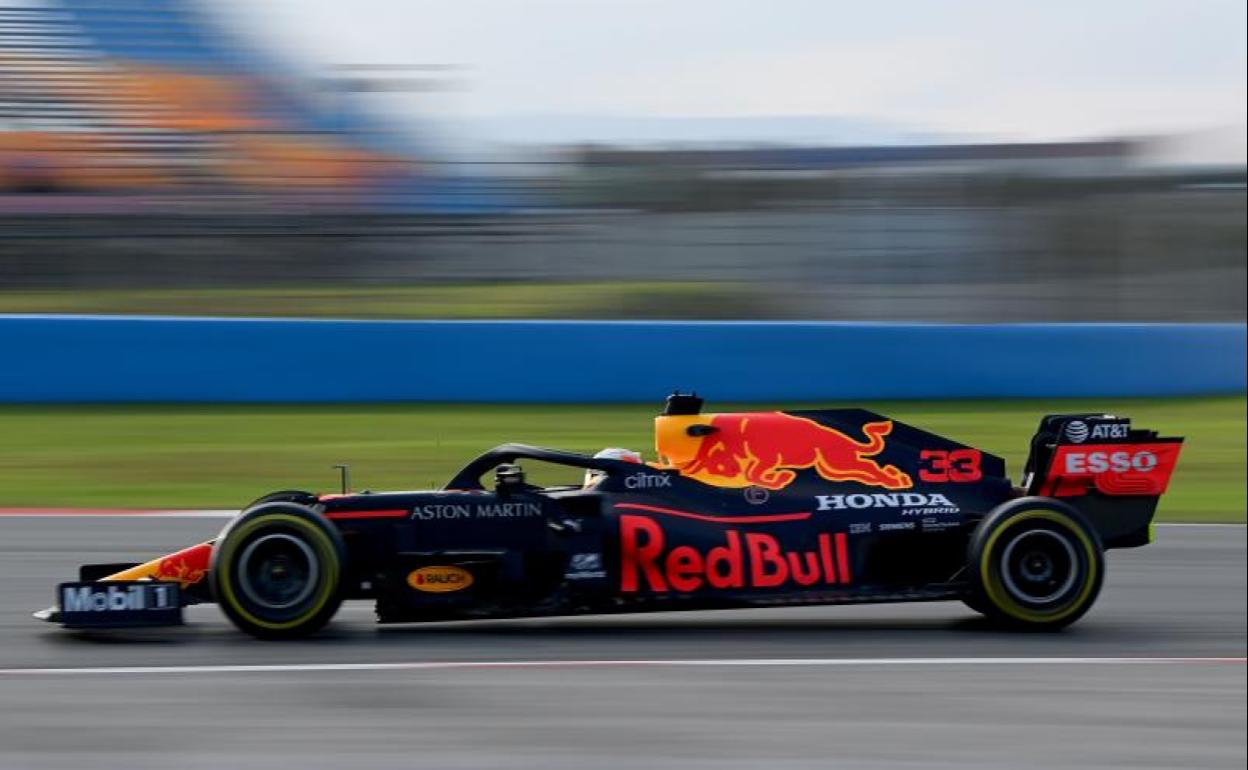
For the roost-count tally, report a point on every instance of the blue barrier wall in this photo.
(118, 359)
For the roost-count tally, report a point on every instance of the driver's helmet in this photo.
(509, 475)
(593, 477)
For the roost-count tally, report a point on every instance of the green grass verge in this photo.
(621, 299)
(224, 456)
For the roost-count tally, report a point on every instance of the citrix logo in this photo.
(647, 481)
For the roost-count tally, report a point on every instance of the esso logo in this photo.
(1142, 461)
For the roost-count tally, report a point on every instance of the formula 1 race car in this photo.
(742, 509)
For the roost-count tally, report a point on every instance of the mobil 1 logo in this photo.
(119, 604)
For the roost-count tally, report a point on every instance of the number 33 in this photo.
(959, 465)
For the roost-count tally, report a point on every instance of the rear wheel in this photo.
(276, 571)
(1035, 563)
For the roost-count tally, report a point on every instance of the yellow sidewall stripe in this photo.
(1000, 597)
(318, 539)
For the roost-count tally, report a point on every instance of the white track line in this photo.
(283, 668)
(1198, 524)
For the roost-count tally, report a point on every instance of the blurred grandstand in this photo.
(153, 98)
(142, 145)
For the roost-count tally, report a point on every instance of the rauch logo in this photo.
(439, 580)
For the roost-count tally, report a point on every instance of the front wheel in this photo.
(276, 570)
(1035, 563)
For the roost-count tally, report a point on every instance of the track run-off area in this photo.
(1154, 676)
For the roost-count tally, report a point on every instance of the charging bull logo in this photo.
(766, 449)
(186, 567)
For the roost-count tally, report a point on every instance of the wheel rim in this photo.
(278, 571)
(1039, 566)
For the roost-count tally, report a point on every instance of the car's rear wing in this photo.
(1111, 471)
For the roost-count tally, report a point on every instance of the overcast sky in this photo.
(1038, 69)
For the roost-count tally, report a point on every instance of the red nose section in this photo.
(186, 567)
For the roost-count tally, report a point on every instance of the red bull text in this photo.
(744, 560)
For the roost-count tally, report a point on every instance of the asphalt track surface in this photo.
(1154, 676)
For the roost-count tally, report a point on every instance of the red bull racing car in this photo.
(742, 509)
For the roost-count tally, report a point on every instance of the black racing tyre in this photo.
(276, 570)
(1034, 563)
(285, 496)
